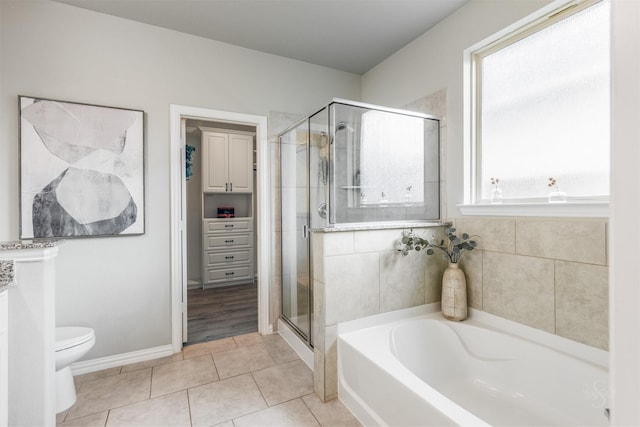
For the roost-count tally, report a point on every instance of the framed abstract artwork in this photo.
(81, 170)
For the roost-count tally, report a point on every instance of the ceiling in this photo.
(348, 35)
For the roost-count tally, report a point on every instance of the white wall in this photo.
(625, 210)
(120, 286)
(434, 61)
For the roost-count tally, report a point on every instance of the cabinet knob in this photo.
(228, 225)
(228, 257)
(228, 241)
(231, 186)
(226, 186)
(229, 273)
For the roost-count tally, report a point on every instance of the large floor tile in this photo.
(111, 392)
(332, 413)
(224, 400)
(169, 410)
(182, 375)
(248, 339)
(293, 413)
(242, 360)
(151, 363)
(83, 378)
(279, 349)
(93, 420)
(285, 382)
(210, 347)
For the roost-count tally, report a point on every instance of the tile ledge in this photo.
(569, 209)
(380, 226)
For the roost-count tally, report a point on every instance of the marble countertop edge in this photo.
(30, 244)
(380, 226)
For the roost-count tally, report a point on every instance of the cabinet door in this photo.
(215, 165)
(241, 163)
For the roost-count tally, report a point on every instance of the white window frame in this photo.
(545, 16)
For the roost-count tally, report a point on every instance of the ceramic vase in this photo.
(454, 293)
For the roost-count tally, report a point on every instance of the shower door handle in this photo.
(305, 231)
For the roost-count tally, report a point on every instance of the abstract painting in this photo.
(81, 170)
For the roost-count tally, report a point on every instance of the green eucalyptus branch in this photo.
(453, 247)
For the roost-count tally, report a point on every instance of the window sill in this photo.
(569, 209)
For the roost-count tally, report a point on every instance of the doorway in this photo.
(179, 248)
(221, 191)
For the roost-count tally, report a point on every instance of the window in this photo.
(541, 98)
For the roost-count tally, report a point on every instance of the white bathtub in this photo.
(486, 371)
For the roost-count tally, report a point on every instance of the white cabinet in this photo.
(227, 161)
(227, 251)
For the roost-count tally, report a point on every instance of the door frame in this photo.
(178, 206)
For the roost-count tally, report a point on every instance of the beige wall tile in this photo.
(318, 373)
(582, 303)
(471, 264)
(493, 234)
(331, 363)
(338, 243)
(376, 240)
(352, 287)
(401, 280)
(319, 315)
(317, 255)
(519, 288)
(580, 240)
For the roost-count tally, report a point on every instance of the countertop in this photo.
(379, 226)
(7, 266)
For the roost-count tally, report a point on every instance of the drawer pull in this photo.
(229, 273)
(228, 225)
(228, 257)
(229, 241)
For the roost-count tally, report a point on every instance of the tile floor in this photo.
(247, 380)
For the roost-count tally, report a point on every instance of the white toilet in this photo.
(72, 342)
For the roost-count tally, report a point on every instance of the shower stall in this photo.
(350, 165)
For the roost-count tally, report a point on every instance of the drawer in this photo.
(214, 241)
(220, 259)
(211, 226)
(211, 275)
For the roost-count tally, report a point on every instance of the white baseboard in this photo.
(101, 363)
(305, 353)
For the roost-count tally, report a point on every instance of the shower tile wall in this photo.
(359, 274)
(551, 274)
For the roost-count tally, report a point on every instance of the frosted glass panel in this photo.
(545, 110)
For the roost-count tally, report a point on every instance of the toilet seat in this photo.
(72, 336)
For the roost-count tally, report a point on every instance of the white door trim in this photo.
(177, 183)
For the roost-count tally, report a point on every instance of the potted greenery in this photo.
(454, 285)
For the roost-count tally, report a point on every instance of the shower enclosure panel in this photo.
(350, 163)
(385, 165)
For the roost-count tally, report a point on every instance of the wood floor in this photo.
(221, 312)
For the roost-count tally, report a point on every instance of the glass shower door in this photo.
(296, 287)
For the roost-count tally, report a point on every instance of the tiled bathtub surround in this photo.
(551, 274)
(358, 274)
